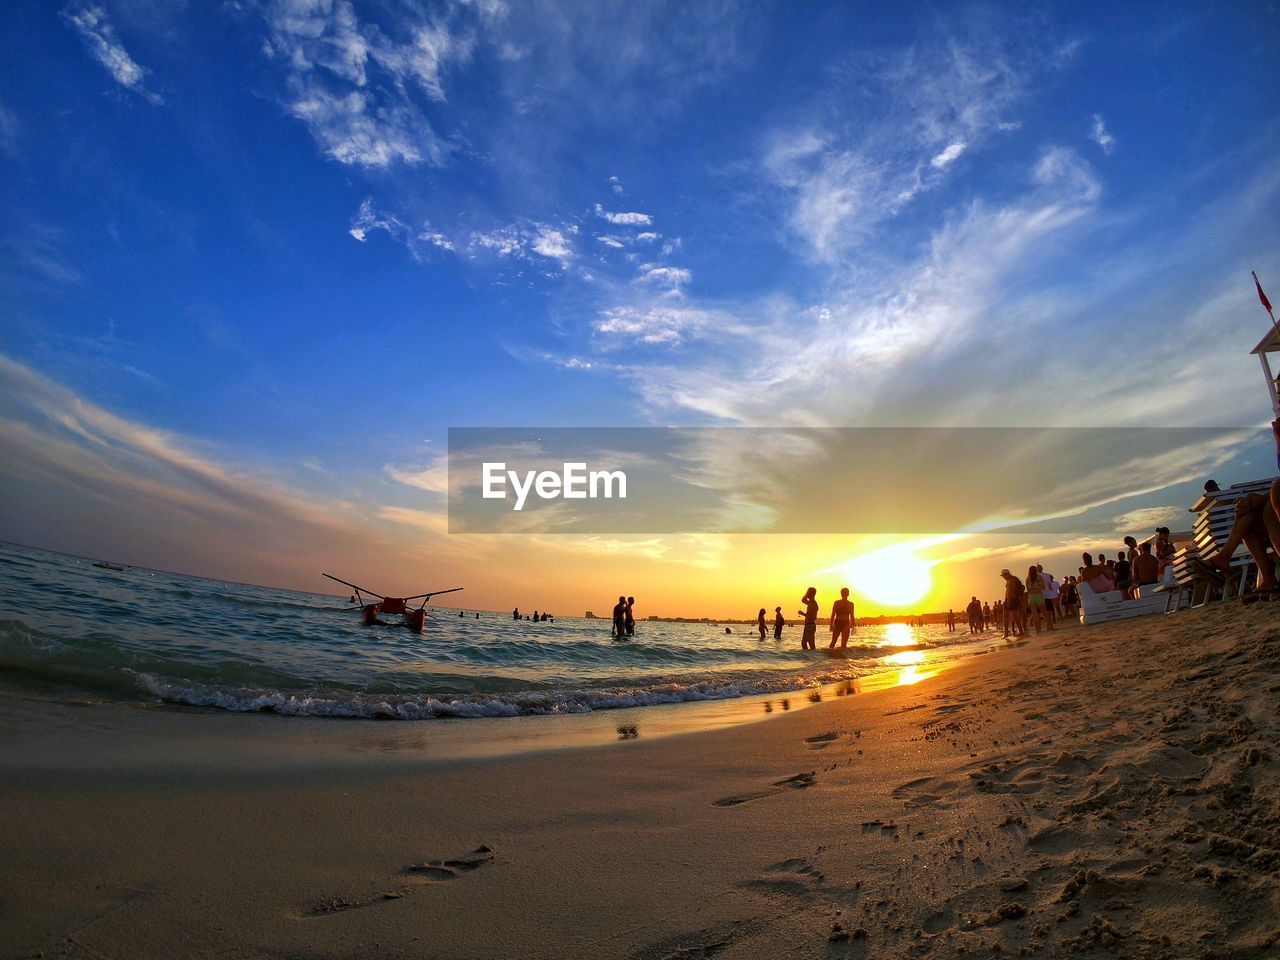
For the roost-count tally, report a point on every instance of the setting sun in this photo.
(893, 576)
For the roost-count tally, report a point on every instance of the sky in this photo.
(257, 258)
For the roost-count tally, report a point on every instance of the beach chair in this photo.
(1109, 606)
(1215, 514)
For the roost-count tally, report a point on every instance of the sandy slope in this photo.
(1097, 792)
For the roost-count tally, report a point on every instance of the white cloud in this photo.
(1098, 133)
(921, 109)
(1063, 169)
(100, 38)
(519, 240)
(653, 325)
(674, 277)
(616, 185)
(624, 219)
(948, 156)
(368, 218)
(552, 244)
(351, 83)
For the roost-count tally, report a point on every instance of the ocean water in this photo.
(66, 625)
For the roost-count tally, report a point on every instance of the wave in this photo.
(370, 706)
(98, 663)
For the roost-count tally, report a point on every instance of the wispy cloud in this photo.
(351, 83)
(926, 106)
(99, 36)
(1099, 134)
(417, 241)
(624, 219)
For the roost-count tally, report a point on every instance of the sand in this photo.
(1107, 791)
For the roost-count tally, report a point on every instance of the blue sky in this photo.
(288, 244)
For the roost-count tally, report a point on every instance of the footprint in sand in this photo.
(415, 875)
(799, 782)
(436, 871)
(795, 878)
(927, 792)
(822, 740)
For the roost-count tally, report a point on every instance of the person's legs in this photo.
(843, 634)
(1247, 520)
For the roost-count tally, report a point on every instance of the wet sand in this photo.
(1100, 792)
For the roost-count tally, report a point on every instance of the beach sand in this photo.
(1107, 791)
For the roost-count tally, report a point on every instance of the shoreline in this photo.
(53, 718)
(1065, 798)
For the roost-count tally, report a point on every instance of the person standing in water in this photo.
(810, 614)
(515, 614)
(630, 619)
(778, 623)
(620, 617)
(764, 629)
(841, 620)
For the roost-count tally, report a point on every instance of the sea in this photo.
(68, 626)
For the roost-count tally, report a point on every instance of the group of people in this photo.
(624, 618)
(1039, 600)
(535, 616)
(842, 621)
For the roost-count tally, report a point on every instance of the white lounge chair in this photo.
(1105, 607)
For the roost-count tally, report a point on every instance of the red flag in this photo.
(1266, 304)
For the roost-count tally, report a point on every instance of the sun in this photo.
(893, 576)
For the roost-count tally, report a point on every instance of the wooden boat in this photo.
(414, 618)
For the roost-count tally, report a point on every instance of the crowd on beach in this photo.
(1039, 600)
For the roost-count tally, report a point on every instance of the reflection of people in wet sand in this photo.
(760, 624)
(778, 623)
(620, 617)
(630, 619)
(810, 614)
(841, 620)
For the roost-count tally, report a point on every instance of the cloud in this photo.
(432, 477)
(624, 219)
(1098, 133)
(673, 277)
(368, 219)
(520, 240)
(664, 325)
(551, 243)
(948, 156)
(918, 110)
(352, 84)
(99, 37)
(1148, 518)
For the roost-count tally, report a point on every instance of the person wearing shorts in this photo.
(841, 620)
(810, 614)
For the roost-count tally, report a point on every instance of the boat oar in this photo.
(346, 583)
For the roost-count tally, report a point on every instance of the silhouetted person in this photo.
(630, 620)
(810, 614)
(763, 627)
(778, 623)
(841, 620)
(620, 617)
(515, 614)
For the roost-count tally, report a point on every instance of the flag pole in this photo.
(1262, 298)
